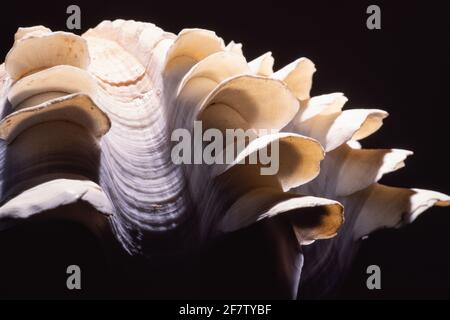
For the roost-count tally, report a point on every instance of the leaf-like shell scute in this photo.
(62, 78)
(76, 108)
(55, 48)
(249, 102)
(312, 218)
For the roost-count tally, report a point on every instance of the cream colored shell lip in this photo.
(265, 203)
(257, 100)
(53, 194)
(35, 51)
(298, 77)
(235, 47)
(291, 148)
(77, 108)
(195, 45)
(263, 65)
(62, 78)
(27, 31)
(405, 205)
(322, 118)
(71, 190)
(322, 105)
(216, 67)
(190, 47)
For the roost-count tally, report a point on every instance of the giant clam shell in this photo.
(89, 119)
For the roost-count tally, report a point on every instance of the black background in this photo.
(402, 68)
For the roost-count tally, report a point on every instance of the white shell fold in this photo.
(77, 108)
(267, 202)
(298, 77)
(263, 65)
(55, 48)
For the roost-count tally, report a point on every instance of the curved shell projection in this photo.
(90, 119)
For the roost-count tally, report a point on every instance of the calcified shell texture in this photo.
(87, 121)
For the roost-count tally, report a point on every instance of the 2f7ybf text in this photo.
(226, 309)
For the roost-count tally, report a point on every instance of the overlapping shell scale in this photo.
(216, 85)
(148, 83)
(124, 87)
(50, 128)
(350, 174)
